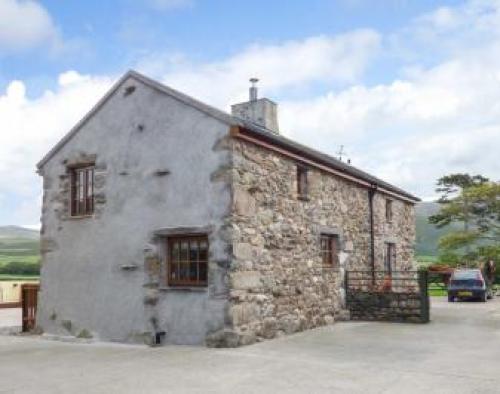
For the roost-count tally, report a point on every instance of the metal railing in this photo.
(382, 281)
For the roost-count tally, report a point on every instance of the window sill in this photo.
(330, 268)
(198, 289)
(80, 217)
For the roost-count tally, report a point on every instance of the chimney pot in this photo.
(253, 89)
(261, 111)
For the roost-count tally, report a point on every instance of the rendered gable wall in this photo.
(159, 164)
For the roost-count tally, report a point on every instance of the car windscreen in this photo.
(472, 274)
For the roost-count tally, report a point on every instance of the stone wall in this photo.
(400, 231)
(392, 306)
(278, 284)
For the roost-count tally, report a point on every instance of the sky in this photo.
(410, 88)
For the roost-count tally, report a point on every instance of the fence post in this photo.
(423, 283)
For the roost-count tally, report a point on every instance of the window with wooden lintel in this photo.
(302, 183)
(330, 247)
(389, 257)
(388, 210)
(187, 260)
(82, 191)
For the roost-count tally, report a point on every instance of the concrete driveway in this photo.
(459, 352)
(10, 320)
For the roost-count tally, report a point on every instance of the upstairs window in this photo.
(388, 210)
(302, 183)
(82, 191)
(187, 261)
(330, 250)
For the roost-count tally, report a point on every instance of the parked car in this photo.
(468, 284)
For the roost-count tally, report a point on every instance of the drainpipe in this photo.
(371, 194)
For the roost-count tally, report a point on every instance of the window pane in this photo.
(174, 270)
(203, 250)
(335, 250)
(193, 251)
(184, 250)
(81, 185)
(301, 181)
(175, 251)
(193, 271)
(90, 182)
(390, 254)
(203, 272)
(184, 274)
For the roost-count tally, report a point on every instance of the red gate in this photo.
(29, 298)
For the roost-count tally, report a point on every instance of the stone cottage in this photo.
(166, 220)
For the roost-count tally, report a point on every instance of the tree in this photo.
(475, 202)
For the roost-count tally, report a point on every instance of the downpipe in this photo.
(371, 195)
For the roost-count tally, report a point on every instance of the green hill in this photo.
(427, 234)
(18, 232)
(19, 251)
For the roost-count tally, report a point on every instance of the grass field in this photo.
(437, 290)
(7, 258)
(424, 261)
(8, 278)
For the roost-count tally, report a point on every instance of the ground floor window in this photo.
(187, 260)
(389, 256)
(330, 250)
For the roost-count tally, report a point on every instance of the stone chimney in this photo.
(262, 111)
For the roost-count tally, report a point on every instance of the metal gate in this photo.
(29, 299)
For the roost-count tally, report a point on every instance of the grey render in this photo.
(157, 155)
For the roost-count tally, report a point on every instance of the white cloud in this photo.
(25, 24)
(31, 127)
(293, 64)
(170, 4)
(428, 121)
(431, 121)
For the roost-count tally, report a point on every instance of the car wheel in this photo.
(484, 298)
(451, 299)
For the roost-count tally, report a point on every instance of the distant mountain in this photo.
(18, 232)
(427, 234)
